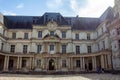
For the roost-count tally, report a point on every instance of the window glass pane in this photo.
(64, 63)
(51, 33)
(51, 47)
(77, 63)
(88, 36)
(63, 34)
(77, 49)
(25, 35)
(39, 48)
(77, 36)
(89, 49)
(40, 34)
(12, 48)
(25, 48)
(63, 48)
(14, 35)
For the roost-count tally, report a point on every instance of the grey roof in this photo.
(77, 23)
(108, 14)
(86, 23)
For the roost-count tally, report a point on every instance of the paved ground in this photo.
(60, 77)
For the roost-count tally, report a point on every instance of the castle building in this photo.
(58, 43)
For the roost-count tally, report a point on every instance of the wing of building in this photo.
(59, 43)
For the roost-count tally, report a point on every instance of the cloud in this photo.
(9, 13)
(54, 4)
(21, 5)
(93, 8)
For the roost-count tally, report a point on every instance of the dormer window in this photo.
(51, 33)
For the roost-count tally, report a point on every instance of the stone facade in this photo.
(60, 47)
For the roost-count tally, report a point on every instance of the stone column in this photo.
(6, 63)
(105, 61)
(18, 62)
(71, 63)
(81, 63)
(30, 64)
(33, 63)
(94, 63)
(102, 61)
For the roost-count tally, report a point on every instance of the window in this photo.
(12, 48)
(24, 63)
(63, 34)
(98, 47)
(2, 44)
(88, 36)
(64, 63)
(63, 48)
(25, 48)
(77, 36)
(119, 44)
(89, 49)
(39, 48)
(14, 35)
(77, 49)
(25, 35)
(77, 63)
(51, 47)
(51, 33)
(39, 34)
(118, 31)
(38, 63)
(103, 44)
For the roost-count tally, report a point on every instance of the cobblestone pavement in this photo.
(60, 77)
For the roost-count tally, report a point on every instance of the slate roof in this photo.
(77, 23)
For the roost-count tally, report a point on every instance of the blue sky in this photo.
(83, 8)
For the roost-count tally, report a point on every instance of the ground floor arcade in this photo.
(55, 62)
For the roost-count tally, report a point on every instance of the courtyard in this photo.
(92, 76)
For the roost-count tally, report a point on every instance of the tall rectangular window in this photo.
(39, 34)
(12, 48)
(51, 33)
(64, 63)
(89, 49)
(88, 36)
(51, 47)
(25, 35)
(63, 34)
(63, 48)
(24, 63)
(103, 44)
(98, 47)
(39, 48)
(14, 35)
(38, 62)
(77, 36)
(25, 48)
(119, 44)
(77, 49)
(77, 63)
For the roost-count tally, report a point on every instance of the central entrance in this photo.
(51, 64)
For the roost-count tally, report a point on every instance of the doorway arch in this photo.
(51, 64)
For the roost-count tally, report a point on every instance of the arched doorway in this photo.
(51, 64)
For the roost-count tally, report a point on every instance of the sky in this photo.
(83, 8)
